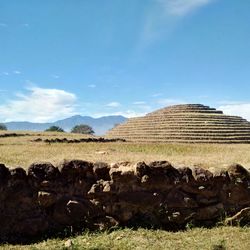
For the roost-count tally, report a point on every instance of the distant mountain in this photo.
(100, 125)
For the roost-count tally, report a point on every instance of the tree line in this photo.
(78, 129)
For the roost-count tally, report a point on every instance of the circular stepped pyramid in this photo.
(190, 123)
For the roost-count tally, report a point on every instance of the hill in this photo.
(100, 125)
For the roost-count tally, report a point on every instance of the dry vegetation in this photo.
(21, 151)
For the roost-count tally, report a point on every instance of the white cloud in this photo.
(92, 86)
(236, 108)
(17, 72)
(169, 102)
(127, 113)
(113, 104)
(134, 111)
(39, 105)
(5, 73)
(130, 113)
(26, 25)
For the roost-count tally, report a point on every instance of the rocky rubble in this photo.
(76, 195)
(90, 139)
(12, 135)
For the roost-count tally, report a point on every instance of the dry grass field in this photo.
(21, 151)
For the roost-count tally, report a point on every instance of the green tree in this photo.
(82, 129)
(54, 129)
(3, 126)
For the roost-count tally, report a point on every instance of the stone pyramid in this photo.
(190, 123)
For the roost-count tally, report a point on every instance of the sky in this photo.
(60, 58)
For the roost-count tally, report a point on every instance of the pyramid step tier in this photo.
(185, 133)
(185, 119)
(187, 137)
(187, 116)
(184, 123)
(217, 126)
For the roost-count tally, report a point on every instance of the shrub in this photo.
(82, 129)
(3, 126)
(54, 129)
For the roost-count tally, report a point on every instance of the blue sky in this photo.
(93, 57)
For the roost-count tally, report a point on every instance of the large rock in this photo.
(101, 171)
(43, 171)
(77, 169)
(158, 175)
(78, 176)
(238, 173)
(4, 174)
(20, 214)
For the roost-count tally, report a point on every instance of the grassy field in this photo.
(21, 151)
(195, 239)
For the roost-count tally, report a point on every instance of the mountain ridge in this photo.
(100, 125)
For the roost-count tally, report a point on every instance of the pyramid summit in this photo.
(187, 123)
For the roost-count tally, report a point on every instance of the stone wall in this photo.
(77, 195)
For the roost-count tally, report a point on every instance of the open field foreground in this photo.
(194, 239)
(21, 151)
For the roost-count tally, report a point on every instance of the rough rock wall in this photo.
(79, 194)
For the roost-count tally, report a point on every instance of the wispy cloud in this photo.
(139, 103)
(15, 72)
(92, 86)
(113, 105)
(182, 7)
(164, 15)
(236, 108)
(157, 94)
(138, 108)
(168, 101)
(39, 105)
(127, 113)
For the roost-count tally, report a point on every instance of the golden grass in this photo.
(21, 151)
